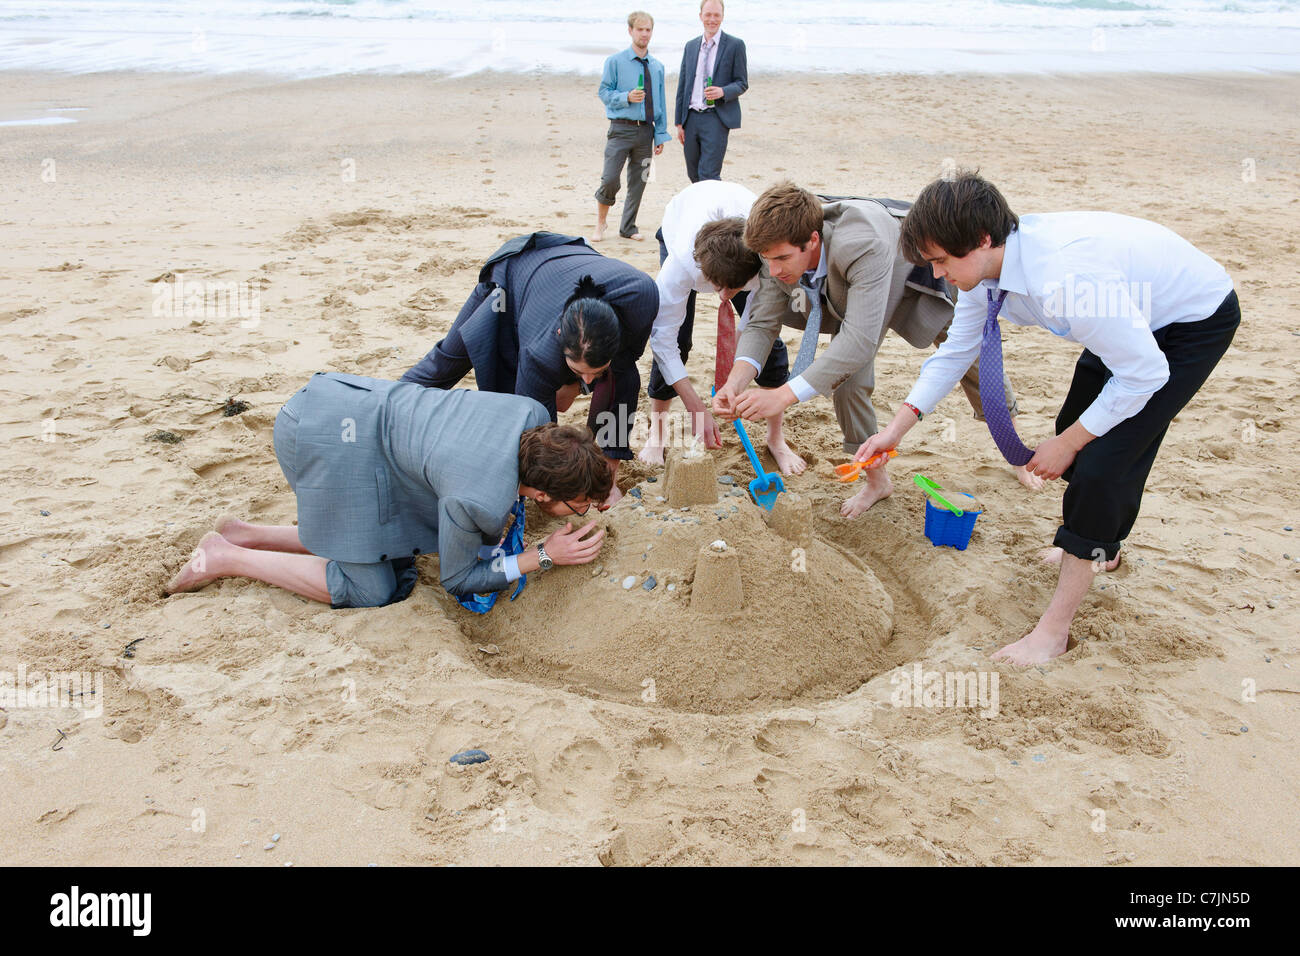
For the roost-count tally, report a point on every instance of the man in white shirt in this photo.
(701, 249)
(1154, 315)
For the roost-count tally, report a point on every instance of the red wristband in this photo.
(916, 411)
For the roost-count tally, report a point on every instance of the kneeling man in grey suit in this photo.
(385, 471)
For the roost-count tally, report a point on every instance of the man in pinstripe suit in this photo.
(386, 471)
(508, 333)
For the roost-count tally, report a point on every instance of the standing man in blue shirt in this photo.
(713, 75)
(632, 89)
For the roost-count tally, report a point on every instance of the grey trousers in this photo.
(857, 416)
(635, 147)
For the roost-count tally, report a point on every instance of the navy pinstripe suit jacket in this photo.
(510, 321)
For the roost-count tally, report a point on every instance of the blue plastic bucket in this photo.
(943, 527)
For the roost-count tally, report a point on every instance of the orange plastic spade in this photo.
(853, 469)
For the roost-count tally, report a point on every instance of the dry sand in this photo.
(246, 711)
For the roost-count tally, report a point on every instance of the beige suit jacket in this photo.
(866, 290)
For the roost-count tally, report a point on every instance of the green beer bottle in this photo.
(708, 81)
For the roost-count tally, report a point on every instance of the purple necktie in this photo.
(992, 396)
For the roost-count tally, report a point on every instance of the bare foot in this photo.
(636, 237)
(786, 459)
(1037, 647)
(876, 487)
(1032, 482)
(599, 233)
(652, 454)
(234, 530)
(1054, 556)
(199, 570)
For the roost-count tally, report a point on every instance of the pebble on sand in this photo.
(650, 583)
(467, 757)
(628, 582)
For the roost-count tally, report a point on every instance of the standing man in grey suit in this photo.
(713, 75)
(632, 89)
(385, 471)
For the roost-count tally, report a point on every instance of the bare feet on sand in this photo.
(1039, 646)
(875, 487)
(599, 233)
(1032, 482)
(635, 237)
(1054, 556)
(652, 454)
(199, 570)
(786, 459)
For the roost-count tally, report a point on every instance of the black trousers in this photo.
(775, 370)
(1109, 475)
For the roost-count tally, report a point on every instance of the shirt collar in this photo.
(632, 55)
(820, 272)
(1012, 276)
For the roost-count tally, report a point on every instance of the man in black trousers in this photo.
(713, 75)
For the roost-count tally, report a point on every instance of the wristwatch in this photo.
(544, 559)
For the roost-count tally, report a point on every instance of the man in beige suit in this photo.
(834, 268)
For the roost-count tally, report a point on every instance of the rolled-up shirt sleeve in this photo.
(675, 284)
(1118, 333)
(944, 369)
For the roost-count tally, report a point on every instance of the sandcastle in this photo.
(691, 478)
(791, 518)
(713, 606)
(717, 585)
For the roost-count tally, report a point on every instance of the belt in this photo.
(628, 122)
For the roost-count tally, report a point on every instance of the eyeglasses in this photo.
(576, 511)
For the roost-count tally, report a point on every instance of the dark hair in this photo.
(564, 462)
(955, 214)
(784, 213)
(589, 330)
(722, 255)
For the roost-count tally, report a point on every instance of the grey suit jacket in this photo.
(392, 469)
(867, 289)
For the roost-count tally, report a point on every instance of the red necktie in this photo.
(602, 401)
(726, 354)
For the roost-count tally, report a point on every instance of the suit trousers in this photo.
(1109, 474)
(857, 416)
(706, 144)
(633, 146)
(349, 584)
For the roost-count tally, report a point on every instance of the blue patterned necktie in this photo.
(992, 395)
(512, 543)
(808, 344)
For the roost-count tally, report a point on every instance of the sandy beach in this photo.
(358, 210)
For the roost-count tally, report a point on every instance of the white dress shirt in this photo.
(684, 216)
(1100, 279)
(704, 64)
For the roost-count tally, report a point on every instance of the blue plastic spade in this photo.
(768, 484)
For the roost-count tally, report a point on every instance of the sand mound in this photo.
(660, 623)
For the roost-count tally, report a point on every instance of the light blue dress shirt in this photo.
(620, 77)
